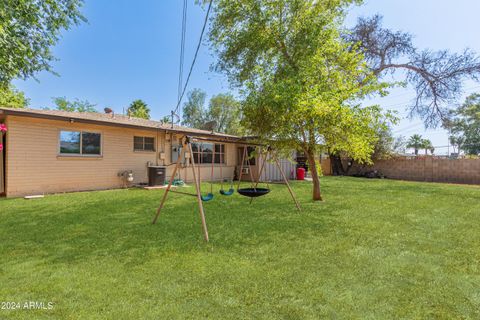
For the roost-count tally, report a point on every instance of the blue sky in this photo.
(129, 50)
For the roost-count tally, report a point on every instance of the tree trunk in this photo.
(337, 165)
(312, 165)
(338, 169)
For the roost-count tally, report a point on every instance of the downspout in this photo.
(4, 139)
(2, 165)
(157, 153)
(164, 141)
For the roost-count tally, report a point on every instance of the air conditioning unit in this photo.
(245, 170)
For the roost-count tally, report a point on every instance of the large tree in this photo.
(194, 109)
(464, 125)
(139, 109)
(300, 80)
(28, 29)
(436, 76)
(12, 98)
(224, 110)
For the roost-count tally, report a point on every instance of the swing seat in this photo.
(208, 197)
(227, 193)
(253, 192)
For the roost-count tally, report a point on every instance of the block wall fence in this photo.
(429, 169)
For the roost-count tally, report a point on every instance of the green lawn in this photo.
(375, 249)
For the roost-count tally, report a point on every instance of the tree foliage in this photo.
(387, 144)
(139, 109)
(415, 142)
(223, 111)
(457, 142)
(194, 109)
(165, 119)
(62, 103)
(12, 98)
(28, 29)
(301, 82)
(427, 145)
(385, 147)
(464, 125)
(399, 144)
(436, 76)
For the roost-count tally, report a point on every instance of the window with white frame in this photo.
(80, 143)
(206, 152)
(143, 143)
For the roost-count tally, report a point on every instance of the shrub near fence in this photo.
(432, 169)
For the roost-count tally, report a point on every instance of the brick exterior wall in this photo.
(33, 165)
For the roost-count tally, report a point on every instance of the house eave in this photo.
(28, 114)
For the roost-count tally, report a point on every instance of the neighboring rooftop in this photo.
(111, 119)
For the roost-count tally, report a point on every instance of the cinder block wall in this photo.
(465, 171)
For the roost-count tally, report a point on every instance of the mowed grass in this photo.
(375, 249)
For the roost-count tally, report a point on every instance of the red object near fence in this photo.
(300, 173)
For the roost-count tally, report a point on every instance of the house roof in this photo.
(111, 119)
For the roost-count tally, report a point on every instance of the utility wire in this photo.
(182, 48)
(461, 145)
(194, 57)
(410, 127)
(406, 103)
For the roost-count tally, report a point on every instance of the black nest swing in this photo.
(253, 192)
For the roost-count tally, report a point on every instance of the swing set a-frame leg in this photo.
(169, 186)
(259, 175)
(199, 198)
(287, 184)
(197, 187)
(244, 153)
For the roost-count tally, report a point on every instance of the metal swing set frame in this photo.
(187, 146)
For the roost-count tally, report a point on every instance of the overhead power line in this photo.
(182, 48)
(205, 22)
(462, 145)
(406, 103)
(410, 127)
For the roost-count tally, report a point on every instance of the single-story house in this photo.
(51, 151)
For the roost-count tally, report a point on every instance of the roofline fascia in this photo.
(111, 124)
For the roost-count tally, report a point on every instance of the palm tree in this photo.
(139, 109)
(427, 145)
(415, 142)
(457, 142)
